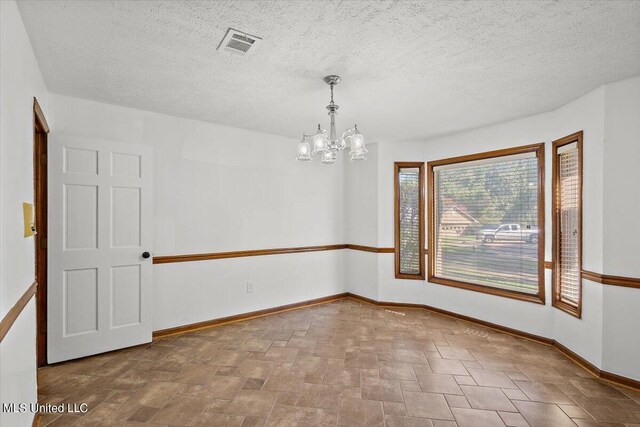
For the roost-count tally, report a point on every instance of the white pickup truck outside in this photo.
(509, 232)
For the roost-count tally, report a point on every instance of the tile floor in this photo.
(343, 363)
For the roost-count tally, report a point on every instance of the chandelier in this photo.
(327, 144)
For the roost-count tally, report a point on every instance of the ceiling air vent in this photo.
(238, 42)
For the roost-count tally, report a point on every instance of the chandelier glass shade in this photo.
(327, 144)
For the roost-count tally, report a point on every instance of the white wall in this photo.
(361, 223)
(20, 81)
(217, 189)
(584, 336)
(608, 334)
(621, 249)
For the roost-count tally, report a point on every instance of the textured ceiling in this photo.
(411, 69)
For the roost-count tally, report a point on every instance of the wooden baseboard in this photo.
(595, 371)
(571, 355)
(620, 380)
(363, 299)
(495, 326)
(384, 303)
(245, 316)
(511, 331)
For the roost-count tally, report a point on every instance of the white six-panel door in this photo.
(100, 219)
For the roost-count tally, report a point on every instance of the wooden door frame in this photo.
(40, 186)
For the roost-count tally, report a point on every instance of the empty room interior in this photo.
(318, 213)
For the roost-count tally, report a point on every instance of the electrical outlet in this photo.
(249, 287)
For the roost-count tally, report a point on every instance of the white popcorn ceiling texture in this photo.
(410, 69)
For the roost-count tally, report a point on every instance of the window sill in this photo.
(572, 310)
(521, 296)
(410, 276)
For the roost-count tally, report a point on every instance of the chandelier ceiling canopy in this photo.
(327, 144)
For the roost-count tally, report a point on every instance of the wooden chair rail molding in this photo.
(9, 319)
(166, 259)
(239, 254)
(370, 249)
(605, 279)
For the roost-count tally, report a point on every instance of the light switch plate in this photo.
(29, 222)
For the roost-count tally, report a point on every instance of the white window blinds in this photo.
(568, 194)
(486, 222)
(409, 220)
(409, 204)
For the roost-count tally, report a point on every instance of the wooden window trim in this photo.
(539, 297)
(396, 206)
(556, 301)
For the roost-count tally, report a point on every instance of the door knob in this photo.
(145, 255)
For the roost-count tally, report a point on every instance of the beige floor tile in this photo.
(348, 377)
(358, 412)
(439, 383)
(143, 414)
(319, 396)
(455, 401)
(477, 418)
(427, 405)
(546, 393)
(542, 414)
(491, 378)
(224, 387)
(513, 419)
(209, 419)
(397, 371)
(180, 411)
(448, 366)
(394, 408)
(381, 389)
(281, 354)
(403, 421)
(156, 395)
(490, 398)
(455, 353)
(252, 403)
(290, 416)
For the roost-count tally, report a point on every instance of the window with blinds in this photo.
(409, 220)
(485, 223)
(567, 227)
